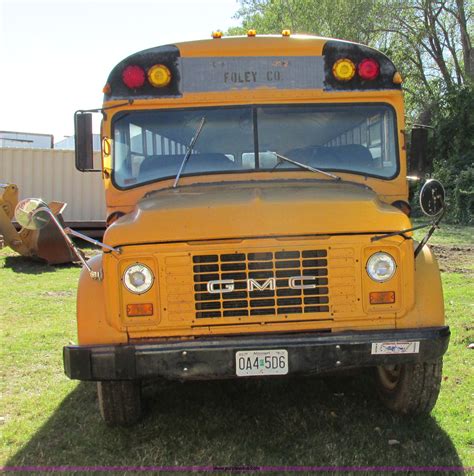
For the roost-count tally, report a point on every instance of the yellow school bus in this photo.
(258, 224)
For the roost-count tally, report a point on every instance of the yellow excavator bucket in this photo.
(47, 243)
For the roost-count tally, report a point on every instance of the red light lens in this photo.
(368, 69)
(133, 77)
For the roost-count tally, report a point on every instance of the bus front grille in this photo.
(261, 283)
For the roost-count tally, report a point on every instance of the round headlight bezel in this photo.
(381, 256)
(137, 267)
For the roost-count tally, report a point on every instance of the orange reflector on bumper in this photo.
(383, 297)
(135, 310)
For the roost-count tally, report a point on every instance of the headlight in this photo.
(381, 267)
(138, 278)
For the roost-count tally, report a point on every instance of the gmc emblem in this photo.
(227, 285)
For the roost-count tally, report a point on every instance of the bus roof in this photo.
(220, 64)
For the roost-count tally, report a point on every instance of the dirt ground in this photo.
(455, 258)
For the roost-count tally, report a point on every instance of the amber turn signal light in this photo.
(397, 78)
(382, 297)
(136, 310)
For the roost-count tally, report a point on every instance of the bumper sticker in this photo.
(383, 348)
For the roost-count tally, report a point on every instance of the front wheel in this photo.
(120, 401)
(409, 388)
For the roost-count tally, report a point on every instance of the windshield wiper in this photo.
(188, 152)
(304, 166)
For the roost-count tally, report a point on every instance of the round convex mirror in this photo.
(432, 198)
(28, 215)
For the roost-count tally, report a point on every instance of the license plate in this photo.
(261, 362)
(385, 348)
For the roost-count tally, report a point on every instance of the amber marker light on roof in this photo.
(397, 78)
(251, 33)
(107, 89)
(159, 76)
(217, 34)
(344, 69)
(286, 33)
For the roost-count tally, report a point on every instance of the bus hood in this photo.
(239, 210)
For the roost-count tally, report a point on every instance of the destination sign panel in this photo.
(240, 73)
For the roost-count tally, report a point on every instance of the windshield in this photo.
(151, 145)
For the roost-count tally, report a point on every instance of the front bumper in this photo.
(214, 357)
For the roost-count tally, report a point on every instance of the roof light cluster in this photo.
(344, 69)
(134, 76)
(250, 33)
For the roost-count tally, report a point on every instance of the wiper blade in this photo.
(304, 166)
(189, 151)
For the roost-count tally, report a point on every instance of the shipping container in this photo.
(51, 174)
(26, 140)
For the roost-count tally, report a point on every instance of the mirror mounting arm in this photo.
(75, 233)
(65, 232)
(434, 225)
(93, 274)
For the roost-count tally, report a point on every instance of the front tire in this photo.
(120, 401)
(409, 388)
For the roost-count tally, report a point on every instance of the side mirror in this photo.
(419, 162)
(432, 198)
(31, 214)
(84, 141)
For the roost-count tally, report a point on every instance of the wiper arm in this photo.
(188, 152)
(304, 166)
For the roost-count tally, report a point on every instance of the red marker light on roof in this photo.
(133, 77)
(368, 69)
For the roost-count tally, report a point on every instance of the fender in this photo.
(92, 325)
(429, 303)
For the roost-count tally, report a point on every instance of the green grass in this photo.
(49, 420)
(447, 234)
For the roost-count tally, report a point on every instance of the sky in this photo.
(55, 55)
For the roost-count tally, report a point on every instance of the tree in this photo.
(453, 150)
(350, 20)
(429, 40)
